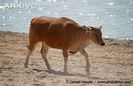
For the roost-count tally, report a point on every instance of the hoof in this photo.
(65, 71)
(87, 71)
(50, 69)
(26, 66)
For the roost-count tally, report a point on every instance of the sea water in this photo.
(116, 16)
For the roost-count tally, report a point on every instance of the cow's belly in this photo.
(56, 43)
(77, 47)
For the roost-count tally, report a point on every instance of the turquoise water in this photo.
(116, 16)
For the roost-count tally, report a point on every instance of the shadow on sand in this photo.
(61, 73)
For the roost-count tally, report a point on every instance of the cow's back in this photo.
(51, 20)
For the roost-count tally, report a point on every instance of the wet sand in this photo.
(113, 62)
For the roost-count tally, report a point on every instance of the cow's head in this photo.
(95, 34)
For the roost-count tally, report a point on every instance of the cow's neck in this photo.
(81, 41)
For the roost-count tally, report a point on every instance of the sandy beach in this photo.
(111, 64)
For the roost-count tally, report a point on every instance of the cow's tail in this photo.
(30, 31)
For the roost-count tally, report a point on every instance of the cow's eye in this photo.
(97, 35)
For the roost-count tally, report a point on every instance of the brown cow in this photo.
(62, 33)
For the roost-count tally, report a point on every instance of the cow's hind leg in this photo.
(30, 50)
(65, 54)
(84, 53)
(44, 52)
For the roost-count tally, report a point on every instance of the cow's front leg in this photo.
(84, 53)
(65, 54)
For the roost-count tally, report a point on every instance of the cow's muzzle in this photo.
(102, 44)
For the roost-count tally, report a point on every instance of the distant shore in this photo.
(114, 61)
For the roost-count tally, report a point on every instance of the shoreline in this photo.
(114, 61)
(105, 37)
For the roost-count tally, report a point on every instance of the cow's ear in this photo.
(100, 27)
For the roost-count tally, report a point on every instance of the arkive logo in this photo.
(18, 6)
